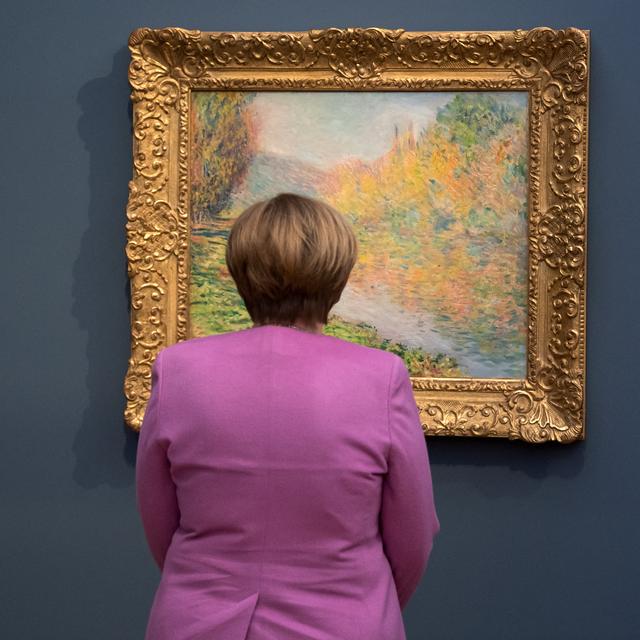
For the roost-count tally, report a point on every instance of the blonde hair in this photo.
(290, 257)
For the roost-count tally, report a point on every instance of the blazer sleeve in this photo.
(155, 490)
(408, 519)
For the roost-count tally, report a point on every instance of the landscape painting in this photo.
(434, 184)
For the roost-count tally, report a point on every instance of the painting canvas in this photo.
(434, 184)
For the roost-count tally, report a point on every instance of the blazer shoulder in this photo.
(185, 348)
(189, 349)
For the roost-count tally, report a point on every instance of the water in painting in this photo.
(435, 187)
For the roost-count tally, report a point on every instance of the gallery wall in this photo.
(537, 542)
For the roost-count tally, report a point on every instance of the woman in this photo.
(282, 474)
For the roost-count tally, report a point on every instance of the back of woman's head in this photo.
(290, 257)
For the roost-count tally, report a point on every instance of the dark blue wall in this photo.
(537, 542)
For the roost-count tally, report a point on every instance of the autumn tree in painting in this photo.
(441, 217)
(223, 143)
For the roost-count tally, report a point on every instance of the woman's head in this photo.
(290, 257)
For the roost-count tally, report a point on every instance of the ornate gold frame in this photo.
(552, 65)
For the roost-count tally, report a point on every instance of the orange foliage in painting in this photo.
(441, 217)
(224, 134)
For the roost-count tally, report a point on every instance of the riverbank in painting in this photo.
(430, 346)
(434, 185)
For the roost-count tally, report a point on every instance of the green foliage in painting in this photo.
(473, 119)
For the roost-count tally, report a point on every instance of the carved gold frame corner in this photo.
(551, 65)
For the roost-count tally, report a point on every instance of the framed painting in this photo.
(460, 160)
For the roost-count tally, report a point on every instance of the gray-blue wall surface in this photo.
(537, 542)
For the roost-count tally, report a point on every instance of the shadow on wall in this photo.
(104, 446)
(501, 461)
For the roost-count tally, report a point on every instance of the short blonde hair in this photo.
(290, 257)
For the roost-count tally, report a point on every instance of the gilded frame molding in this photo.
(552, 65)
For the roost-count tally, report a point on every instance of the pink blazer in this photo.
(284, 488)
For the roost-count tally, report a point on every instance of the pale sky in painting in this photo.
(326, 127)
